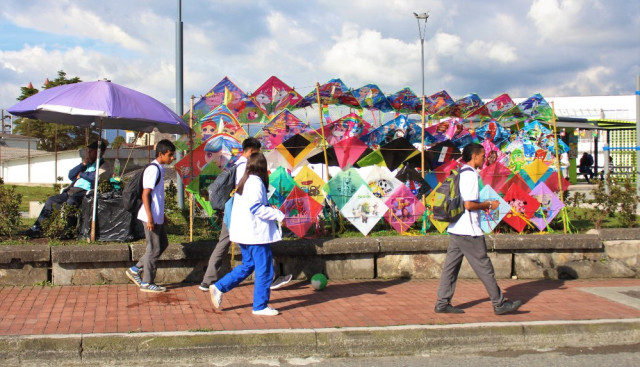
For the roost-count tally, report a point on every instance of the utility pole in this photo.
(179, 97)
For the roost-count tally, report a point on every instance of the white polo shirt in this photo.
(469, 222)
(157, 194)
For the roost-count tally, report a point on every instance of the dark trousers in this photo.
(73, 196)
(475, 250)
(157, 242)
(215, 260)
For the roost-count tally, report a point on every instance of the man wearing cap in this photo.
(82, 179)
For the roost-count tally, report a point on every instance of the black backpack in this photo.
(448, 205)
(221, 188)
(132, 193)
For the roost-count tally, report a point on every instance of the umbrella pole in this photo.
(558, 173)
(95, 186)
(191, 171)
(324, 149)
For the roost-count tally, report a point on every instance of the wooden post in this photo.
(191, 171)
(422, 140)
(324, 147)
(559, 171)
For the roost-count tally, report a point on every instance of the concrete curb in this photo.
(226, 346)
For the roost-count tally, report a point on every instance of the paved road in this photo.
(619, 356)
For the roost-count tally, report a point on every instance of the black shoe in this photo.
(33, 232)
(448, 309)
(507, 306)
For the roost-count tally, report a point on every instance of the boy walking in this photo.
(466, 239)
(151, 214)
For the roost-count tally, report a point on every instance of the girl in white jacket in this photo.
(252, 226)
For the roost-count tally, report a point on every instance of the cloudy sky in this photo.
(555, 47)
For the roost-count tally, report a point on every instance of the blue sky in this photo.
(555, 47)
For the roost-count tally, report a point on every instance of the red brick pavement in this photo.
(123, 308)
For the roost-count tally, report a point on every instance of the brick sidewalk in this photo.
(123, 308)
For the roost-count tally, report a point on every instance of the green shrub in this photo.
(9, 210)
(62, 223)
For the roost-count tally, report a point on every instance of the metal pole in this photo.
(179, 94)
(638, 135)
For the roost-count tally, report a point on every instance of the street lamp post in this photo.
(422, 31)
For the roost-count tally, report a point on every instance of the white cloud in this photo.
(501, 52)
(446, 44)
(595, 80)
(366, 56)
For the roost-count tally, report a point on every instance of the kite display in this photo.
(494, 132)
(364, 209)
(343, 186)
(523, 207)
(221, 150)
(500, 105)
(438, 101)
(413, 180)
(346, 127)
(311, 183)
(227, 93)
(534, 172)
(295, 149)
(370, 96)
(399, 127)
(442, 153)
(550, 206)
(405, 101)
(490, 219)
(495, 175)
(219, 120)
(349, 151)
(430, 200)
(404, 209)
(334, 92)
(553, 185)
(442, 131)
(282, 184)
(300, 211)
(282, 127)
(274, 96)
(381, 182)
(396, 152)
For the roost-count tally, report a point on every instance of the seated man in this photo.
(82, 179)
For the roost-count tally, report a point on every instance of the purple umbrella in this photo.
(111, 105)
(115, 106)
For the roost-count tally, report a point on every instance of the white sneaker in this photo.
(281, 281)
(267, 311)
(216, 295)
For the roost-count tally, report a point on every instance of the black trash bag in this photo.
(113, 223)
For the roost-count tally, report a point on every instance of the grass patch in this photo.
(33, 193)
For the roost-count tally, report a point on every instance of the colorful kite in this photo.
(523, 207)
(495, 175)
(381, 182)
(490, 220)
(550, 206)
(334, 92)
(413, 180)
(227, 93)
(349, 151)
(399, 127)
(500, 105)
(282, 127)
(221, 150)
(405, 101)
(346, 127)
(404, 209)
(295, 149)
(553, 185)
(219, 120)
(442, 153)
(311, 183)
(370, 96)
(494, 132)
(300, 211)
(439, 101)
(274, 96)
(430, 200)
(282, 183)
(343, 186)
(534, 172)
(396, 152)
(364, 209)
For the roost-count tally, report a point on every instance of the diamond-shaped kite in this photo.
(301, 211)
(404, 209)
(364, 210)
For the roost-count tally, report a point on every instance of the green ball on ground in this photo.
(319, 282)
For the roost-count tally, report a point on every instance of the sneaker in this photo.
(134, 276)
(448, 309)
(203, 287)
(152, 288)
(506, 307)
(267, 311)
(216, 295)
(281, 281)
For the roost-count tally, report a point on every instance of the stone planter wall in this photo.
(598, 254)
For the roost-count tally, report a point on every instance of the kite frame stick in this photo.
(191, 198)
(558, 171)
(324, 148)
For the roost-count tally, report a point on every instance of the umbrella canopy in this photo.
(300, 211)
(85, 103)
(404, 209)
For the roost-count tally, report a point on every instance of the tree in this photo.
(66, 137)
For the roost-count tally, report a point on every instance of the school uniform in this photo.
(253, 226)
(156, 240)
(466, 239)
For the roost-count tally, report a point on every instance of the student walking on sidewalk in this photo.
(151, 214)
(253, 226)
(466, 239)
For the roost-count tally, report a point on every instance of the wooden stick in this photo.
(559, 172)
(191, 171)
(324, 148)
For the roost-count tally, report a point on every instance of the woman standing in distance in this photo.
(253, 226)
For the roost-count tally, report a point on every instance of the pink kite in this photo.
(404, 209)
